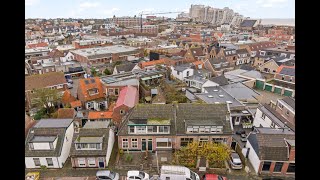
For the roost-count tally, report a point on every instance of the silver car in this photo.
(235, 161)
(106, 174)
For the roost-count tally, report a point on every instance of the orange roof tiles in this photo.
(42, 44)
(100, 115)
(83, 88)
(75, 104)
(282, 66)
(152, 63)
(67, 97)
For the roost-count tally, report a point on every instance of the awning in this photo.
(163, 140)
(146, 78)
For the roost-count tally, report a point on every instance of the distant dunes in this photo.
(274, 21)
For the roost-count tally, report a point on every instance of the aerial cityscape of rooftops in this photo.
(208, 94)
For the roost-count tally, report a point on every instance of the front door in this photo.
(149, 144)
(101, 163)
(144, 145)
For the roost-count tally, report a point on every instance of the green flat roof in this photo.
(158, 121)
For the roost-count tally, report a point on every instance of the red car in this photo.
(213, 177)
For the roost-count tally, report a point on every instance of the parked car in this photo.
(239, 132)
(33, 176)
(177, 173)
(243, 137)
(70, 81)
(213, 177)
(132, 175)
(70, 86)
(106, 174)
(235, 161)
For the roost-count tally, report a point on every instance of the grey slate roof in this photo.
(199, 113)
(240, 91)
(288, 71)
(58, 132)
(103, 133)
(276, 117)
(182, 67)
(53, 123)
(217, 60)
(270, 146)
(221, 80)
(216, 113)
(242, 51)
(290, 101)
(246, 67)
(125, 67)
(248, 23)
(214, 95)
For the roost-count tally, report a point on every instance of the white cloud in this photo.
(31, 2)
(110, 11)
(272, 3)
(89, 5)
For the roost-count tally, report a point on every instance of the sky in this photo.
(108, 8)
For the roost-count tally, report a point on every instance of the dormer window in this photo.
(93, 91)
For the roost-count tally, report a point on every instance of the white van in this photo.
(169, 172)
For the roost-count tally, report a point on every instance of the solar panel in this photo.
(93, 81)
(86, 81)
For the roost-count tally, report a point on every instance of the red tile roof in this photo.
(84, 87)
(100, 115)
(66, 113)
(42, 44)
(75, 104)
(127, 96)
(55, 53)
(152, 63)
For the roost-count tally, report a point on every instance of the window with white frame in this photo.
(141, 129)
(88, 146)
(47, 70)
(81, 162)
(163, 129)
(263, 116)
(110, 90)
(36, 161)
(202, 141)
(92, 162)
(125, 143)
(152, 129)
(60, 86)
(134, 143)
(51, 145)
(219, 140)
(163, 143)
(49, 162)
(273, 125)
(185, 141)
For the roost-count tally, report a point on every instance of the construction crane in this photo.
(141, 14)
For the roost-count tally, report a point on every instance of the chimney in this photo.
(101, 114)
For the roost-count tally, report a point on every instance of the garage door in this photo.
(268, 88)
(277, 90)
(259, 84)
(287, 93)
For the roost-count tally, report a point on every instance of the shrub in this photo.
(129, 157)
(121, 151)
(43, 167)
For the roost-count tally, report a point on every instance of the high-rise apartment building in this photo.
(207, 14)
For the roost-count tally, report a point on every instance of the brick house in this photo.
(217, 65)
(92, 145)
(91, 94)
(101, 55)
(271, 152)
(194, 54)
(156, 127)
(285, 73)
(67, 98)
(230, 55)
(54, 80)
(286, 107)
(128, 98)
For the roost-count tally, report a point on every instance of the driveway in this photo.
(75, 87)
